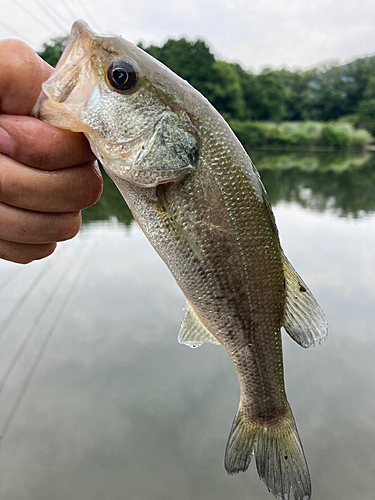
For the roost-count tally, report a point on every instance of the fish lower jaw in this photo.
(50, 112)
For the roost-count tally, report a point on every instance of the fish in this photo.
(201, 203)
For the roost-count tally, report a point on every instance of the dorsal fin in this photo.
(192, 332)
(304, 320)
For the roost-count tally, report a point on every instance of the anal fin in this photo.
(192, 332)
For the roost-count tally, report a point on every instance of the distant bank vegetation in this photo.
(329, 106)
(307, 135)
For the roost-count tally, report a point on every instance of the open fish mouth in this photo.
(70, 73)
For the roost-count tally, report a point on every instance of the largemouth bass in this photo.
(200, 201)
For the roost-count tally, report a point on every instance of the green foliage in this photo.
(297, 93)
(366, 114)
(302, 133)
(310, 161)
(193, 61)
(320, 94)
(342, 135)
(335, 136)
(273, 96)
(332, 135)
(366, 108)
(52, 52)
(226, 91)
(327, 96)
(337, 91)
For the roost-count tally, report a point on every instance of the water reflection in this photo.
(344, 185)
(111, 204)
(340, 183)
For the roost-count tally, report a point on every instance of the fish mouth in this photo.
(66, 77)
(78, 45)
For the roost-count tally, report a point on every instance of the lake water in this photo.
(99, 401)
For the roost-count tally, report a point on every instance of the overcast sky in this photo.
(255, 33)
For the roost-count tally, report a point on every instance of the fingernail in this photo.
(6, 142)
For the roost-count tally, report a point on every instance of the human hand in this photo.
(47, 175)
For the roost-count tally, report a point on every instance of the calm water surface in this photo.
(99, 401)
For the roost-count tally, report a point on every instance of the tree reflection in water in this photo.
(320, 181)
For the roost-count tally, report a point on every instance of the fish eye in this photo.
(123, 75)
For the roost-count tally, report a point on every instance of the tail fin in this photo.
(278, 453)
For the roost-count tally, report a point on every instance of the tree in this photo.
(264, 94)
(226, 90)
(192, 61)
(273, 95)
(366, 108)
(297, 102)
(338, 91)
(251, 92)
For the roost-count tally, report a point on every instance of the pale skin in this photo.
(47, 175)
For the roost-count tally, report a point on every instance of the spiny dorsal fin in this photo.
(304, 320)
(192, 332)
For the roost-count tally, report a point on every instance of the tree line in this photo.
(319, 94)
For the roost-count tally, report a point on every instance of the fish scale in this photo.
(200, 201)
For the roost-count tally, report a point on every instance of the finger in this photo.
(37, 144)
(23, 253)
(26, 226)
(22, 73)
(69, 190)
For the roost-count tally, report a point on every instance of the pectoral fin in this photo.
(192, 332)
(304, 320)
